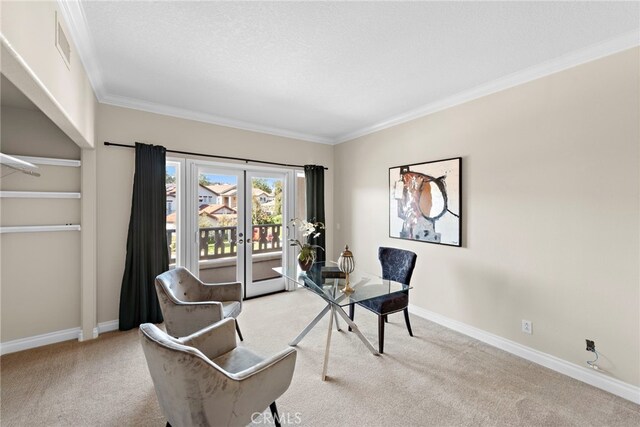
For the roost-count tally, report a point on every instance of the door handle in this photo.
(248, 240)
(241, 241)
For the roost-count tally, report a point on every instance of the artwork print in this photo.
(424, 202)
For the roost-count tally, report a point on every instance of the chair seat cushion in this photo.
(237, 360)
(231, 309)
(387, 303)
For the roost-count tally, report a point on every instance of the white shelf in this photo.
(39, 228)
(50, 161)
(39, 195)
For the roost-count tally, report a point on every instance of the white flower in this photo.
(307, 228)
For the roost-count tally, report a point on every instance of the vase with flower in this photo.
(309, 230)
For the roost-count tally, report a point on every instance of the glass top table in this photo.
(322, 280)
(325, 280)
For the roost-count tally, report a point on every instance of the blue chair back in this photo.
(397, 264)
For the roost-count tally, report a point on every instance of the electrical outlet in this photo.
(527, 326)
(591, 345)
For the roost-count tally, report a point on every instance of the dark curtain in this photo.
(147, 251)
(314, 178)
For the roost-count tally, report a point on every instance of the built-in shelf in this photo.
(39, 228)
(38, 195)
(27, 164)
(50, 161)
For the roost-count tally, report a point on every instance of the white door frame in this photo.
(187, 199)
(181, 185)
(191, 223)
(269, 285)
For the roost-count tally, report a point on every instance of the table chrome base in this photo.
(334, 311)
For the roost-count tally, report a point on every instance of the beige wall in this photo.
(551, 199)
(551, 211)
(40, 272)
(63, 93)
(115, 175)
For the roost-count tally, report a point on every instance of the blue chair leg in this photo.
(381, 334)
(238, 331)
(406, 320)
(274, 412)
(352, 313)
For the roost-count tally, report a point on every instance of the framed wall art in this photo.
(425, 202)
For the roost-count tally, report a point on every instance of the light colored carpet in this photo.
(437, 378)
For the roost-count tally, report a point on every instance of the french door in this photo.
(235, 223)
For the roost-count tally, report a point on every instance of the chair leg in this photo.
(352, 313)
(381, 334)
(406, 320)
(274, 412)
(238, 331)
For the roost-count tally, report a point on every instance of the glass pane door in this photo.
(218, 220)
(266, 228)
(174, 184)
(235, 225)
(172, 175)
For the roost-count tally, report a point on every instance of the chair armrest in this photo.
(222, 291)
(185, 318)
(214, 340)
(284, 358)
(265, 382)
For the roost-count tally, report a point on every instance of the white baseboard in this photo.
(111, 325)
(39, 340)
(599, 380)
(55, 337)
(94, 334)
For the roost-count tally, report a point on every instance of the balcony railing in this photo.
(221, 242)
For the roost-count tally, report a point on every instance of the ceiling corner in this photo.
(75, 19)
(569, 60)
(182, 113)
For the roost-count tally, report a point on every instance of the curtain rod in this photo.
(191, 153)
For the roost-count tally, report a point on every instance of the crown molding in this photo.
(74, 17)
(76, 21)
(570, 60)
(152, 107)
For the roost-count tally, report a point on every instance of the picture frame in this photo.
(425, 202)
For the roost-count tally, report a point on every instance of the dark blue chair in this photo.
(397, 265)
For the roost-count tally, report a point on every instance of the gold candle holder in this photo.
(346, 264)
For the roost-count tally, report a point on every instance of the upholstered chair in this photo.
(189, 305)
(205, 379)
(397, 265)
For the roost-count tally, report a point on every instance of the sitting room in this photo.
(319, 213)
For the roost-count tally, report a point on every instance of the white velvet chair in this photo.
(205, 379)
(189, 305)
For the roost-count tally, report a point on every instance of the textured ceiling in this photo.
(326, 70)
